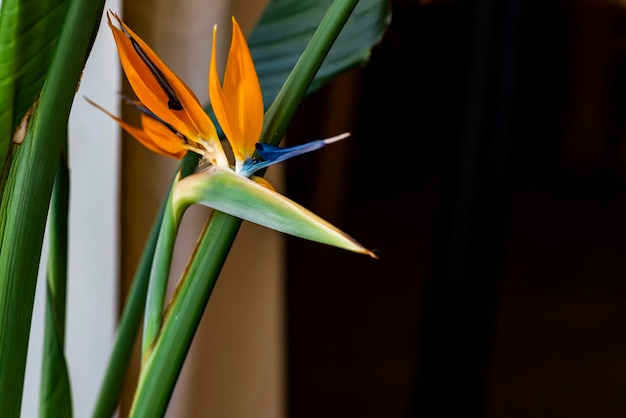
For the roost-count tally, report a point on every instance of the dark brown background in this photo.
(488, 167)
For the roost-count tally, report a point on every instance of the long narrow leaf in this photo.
(55, 392)
(29, 30)
(27, 194)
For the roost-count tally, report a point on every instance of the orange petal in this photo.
(191, 120)
(238, 106)
(163, 138)
(241, 83)
(162, 144)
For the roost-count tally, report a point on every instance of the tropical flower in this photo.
(174, 122)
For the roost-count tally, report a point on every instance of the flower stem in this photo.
(162, 367)
(159, 275)
(111, 386)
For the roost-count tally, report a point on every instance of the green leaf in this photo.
(29, 30)
(27, 194)
(222, 189)
(287, 26)
(55, 391)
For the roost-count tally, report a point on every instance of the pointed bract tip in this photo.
(365, 251)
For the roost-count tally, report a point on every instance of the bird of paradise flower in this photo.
(174, 122)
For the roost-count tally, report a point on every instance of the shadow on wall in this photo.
(488, 167)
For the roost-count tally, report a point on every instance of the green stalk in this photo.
(55, 392)
(162, 367)
(27, 194)
(159, 275)
(279, 115)
(110, 389)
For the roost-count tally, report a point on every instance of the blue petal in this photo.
(272, 154)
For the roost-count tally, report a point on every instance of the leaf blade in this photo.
(29, 30)
(26, 198)
(286, 27)
(55, 397)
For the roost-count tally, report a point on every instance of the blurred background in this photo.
(487, 166)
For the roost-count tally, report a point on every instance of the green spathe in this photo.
(222, 189)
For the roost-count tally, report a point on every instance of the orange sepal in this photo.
(192, 120)
(238, 106)
(163, 138)
(154, 139)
